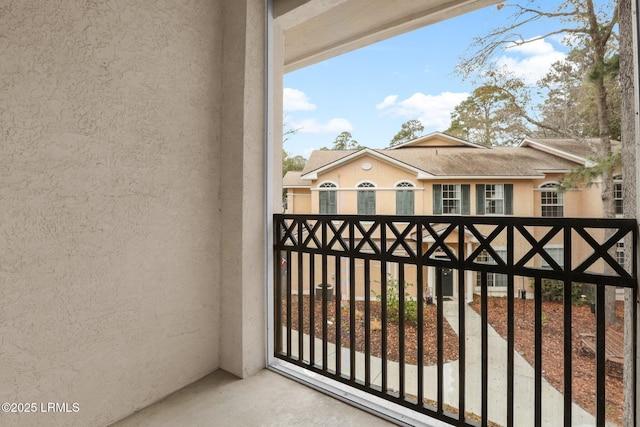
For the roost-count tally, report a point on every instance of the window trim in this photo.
(465, 199)
(491, 277)
(543, 262)
(507, 198)
(618, 201)
(551, 187)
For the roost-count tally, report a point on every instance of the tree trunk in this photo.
(604, 148)
(627, 123)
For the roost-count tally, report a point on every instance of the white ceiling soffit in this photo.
(316, 30)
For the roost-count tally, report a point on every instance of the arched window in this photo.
(617, 194)
(404, 199)
(551, 200)
(328, 198)
(366, 199)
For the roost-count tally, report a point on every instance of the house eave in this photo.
(477, 177)
(551, 150)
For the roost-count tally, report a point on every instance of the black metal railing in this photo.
(349, 288)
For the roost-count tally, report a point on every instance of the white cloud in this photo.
(387, 102)
(533, 47)
(296, 100)
(307, 152)
(313, 126)
(530, 61)
(434, 111)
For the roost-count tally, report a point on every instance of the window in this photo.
(620, 253)
(617, 194)
(328, 199)
(451, 199)
(494, 199)
(493, 279)
(551, 201)
(557, 254)
(404, 199)
(366, 199)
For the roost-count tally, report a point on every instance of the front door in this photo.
(447, 282)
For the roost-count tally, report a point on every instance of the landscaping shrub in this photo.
(393, 303)
(553, 290)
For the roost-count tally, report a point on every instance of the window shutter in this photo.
(508, 199)
(362, 203)
(366, 202)
(372, 203)
(465, 189)
(410, 202)
(323, 202)
(404, 202)
(437, 199)
(333, 202)
(480, 199)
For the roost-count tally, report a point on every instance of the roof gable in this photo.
(313, 174)
(437, 139)
(566, 148)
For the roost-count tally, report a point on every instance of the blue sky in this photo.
(370, 92)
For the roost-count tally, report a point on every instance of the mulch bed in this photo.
(584, 369)
(450, 338)
(584, 380)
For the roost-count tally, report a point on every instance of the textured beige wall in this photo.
(243, 189)
(109, 207)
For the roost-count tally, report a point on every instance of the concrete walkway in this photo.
(552, 400)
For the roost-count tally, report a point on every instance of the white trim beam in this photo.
(320, 29)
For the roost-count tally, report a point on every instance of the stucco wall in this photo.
(109, 207)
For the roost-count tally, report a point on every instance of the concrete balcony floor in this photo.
(264, 399)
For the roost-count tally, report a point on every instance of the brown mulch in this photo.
(584, 369)
(450, 339)
(583, 321)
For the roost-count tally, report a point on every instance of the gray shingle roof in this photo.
(572, 146)
(460, 161)
(292, 179)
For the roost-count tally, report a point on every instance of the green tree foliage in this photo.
(595, 168)
(344, 141)
(409, 131)
(295, 163)
(570, 108)
(553, 290)
(488, 117)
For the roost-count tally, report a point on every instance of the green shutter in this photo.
(362, 203)
(328, 203)
(508, 199)
(323, 202)
(366, 202)
(465, 189)
(404, 202)
(400, 202)
(437, 199)
(333, 202)
(480, 199)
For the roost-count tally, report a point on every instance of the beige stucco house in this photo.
(438, 174)
(140, 144)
